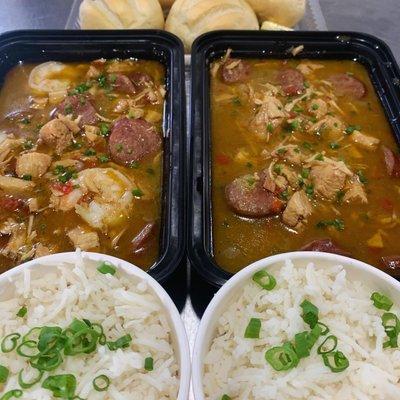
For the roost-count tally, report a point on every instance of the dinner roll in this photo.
(121, 14)
(188, 19)
(283, 12)
(272, 26)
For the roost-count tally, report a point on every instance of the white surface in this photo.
(354, 269)
(177, 327)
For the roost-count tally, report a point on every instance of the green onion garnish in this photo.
(4, 372)
(101, 383)
(104, 129)
(381, 301)
(12, 393)
(106, 268)
(226, 397)
(63, 386)
(137, 192)
(314, 335)
(324, 328)
(301, 344)
(328, 345)
(25, 349)
(264, 279)
(336, 361)
(27, 385)
(47, 362)
(9, 343)
(310, 313)
(391, 324)
(282, 358)
(121, 343)
(253, 329)
(149, 364)
(22, 312)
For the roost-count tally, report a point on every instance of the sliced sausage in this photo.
(347, 85)
(235, 70)
(392, 162)
(292, 81)
(248, 198)
(392, 262)
(124, 85)
(325, 246)
(78, 106)
(140, 241)
(133, 140)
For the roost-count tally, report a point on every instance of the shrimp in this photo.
(41, 78)
(111, 197)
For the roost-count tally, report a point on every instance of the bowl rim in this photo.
(227, 289)
(130, 269)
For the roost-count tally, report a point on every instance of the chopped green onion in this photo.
(381, 301)
(264, 279)
(137, 192)
(63, 386)
(51, 339)
(33, 381)
(102, 339)
(148, 364)
(4, 372)
(106, 268)
(90, 152)
(351, 128)
(334, 145)
(27, 177)
(33, 334)
(104, 129)
(23, 349)
(315, 107)
(314, 335)
(22, 312)
(102, 80)
(226, 397)
(282, 358)
(253, 329)
(328, 345)
(101, 383)
(134, 165)
(391, 324)
(325, 329)
(47, 362)
(319, 157)
(103, 158)
(12, 393)
(337, 223)
(336, 361)
(9, 343)
(83, 341)
(301, 344)
(310, 313)
(120, 343)
(270, 127)
(361, 176)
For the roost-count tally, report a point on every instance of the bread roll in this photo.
(121, 14)
(272, 26)
(188, 19)
(282, 12)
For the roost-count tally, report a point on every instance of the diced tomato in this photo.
(222, 159)
(387, 204)
(63, 187)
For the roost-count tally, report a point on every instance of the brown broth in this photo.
(49, 225)
(238, 241)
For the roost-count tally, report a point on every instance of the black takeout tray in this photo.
(59, 45)
(370, 51)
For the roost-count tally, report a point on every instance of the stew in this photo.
(302, 158)
(80, 159)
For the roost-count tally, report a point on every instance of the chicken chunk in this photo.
(329, 177)
(356, 191)
(291, 153)
(7, 145)
(92, 72)
(328, 123)
(41, 251)
(16, 242)
(15, 185)
(271, 112)
(92, 132)
(83, 240)
(56, 134)
(368, 142)
(71, 124)
(33, 164)
(297, 210)
(318, 108)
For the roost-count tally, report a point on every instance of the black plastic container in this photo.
(40, 46)
(368, 50)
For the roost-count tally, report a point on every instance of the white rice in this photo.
(236, 366)
(122, 304)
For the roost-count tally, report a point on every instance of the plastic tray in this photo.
(40, 46)
(368, 50)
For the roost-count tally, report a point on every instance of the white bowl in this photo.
(355, 269)
(178, 331)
